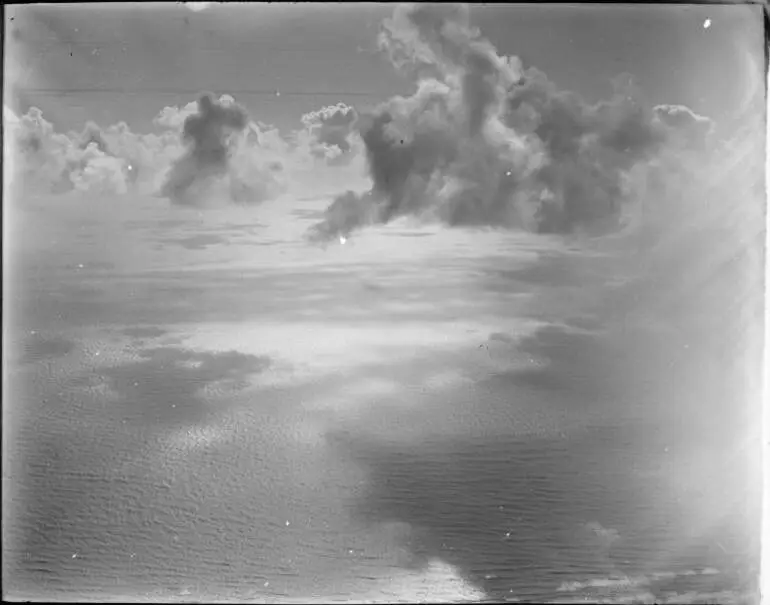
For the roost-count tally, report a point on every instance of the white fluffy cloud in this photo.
(329, 133)
(209, 149)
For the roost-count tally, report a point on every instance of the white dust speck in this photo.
(343, 239)
(707, 24)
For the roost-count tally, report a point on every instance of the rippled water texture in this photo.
(210, 408)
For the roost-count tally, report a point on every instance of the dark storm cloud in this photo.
(485, 141)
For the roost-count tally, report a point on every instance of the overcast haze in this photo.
(383, 302)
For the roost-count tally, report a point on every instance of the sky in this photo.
(319, 54)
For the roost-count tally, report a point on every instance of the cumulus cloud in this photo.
(111, 160)
(173, 117)
(331, 133)
(52, 162)
(212, 152)
(485, 141)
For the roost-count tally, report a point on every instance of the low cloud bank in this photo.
(210, 151)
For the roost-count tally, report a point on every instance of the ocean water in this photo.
(433, 424)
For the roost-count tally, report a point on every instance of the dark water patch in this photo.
(144, 332)
(248, 227)
(200, 242)
(165, 386)
(410, 234)
(167, 223)
(81, 292)
(369, 285)
(502, 337)
(584, 323)
(566, 361)
(99, 265)
(308, 214)
(516, 517)
(40, 348)
(270, 242)
(568, 272)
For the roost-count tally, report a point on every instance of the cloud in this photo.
(53, 162)
(682, 120)
(111, 160)
(204, 152)
(92, 134)
(9, 117)
(173, 117)
(228, 156)
(208, 135)
(485, 141)
(197, 7)
(331, 133)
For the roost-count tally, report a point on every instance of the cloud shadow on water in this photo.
(580, 365)
(516, 516)
(165, 386)
(511, 514)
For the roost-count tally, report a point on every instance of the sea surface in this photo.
(206, 407)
